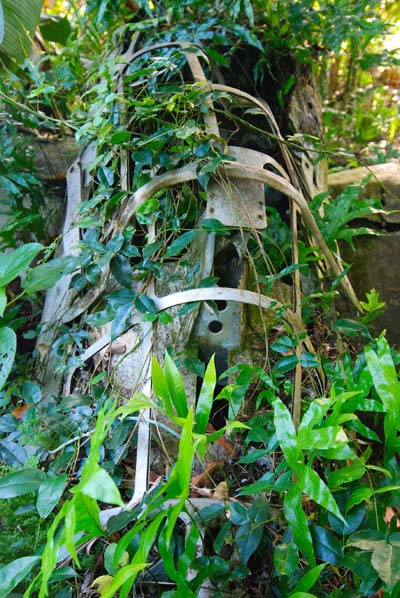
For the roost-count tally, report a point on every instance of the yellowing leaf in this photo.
(102, 583)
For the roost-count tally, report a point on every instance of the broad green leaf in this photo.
(286, 559)
(327, 547)
(347, 474)
(359, 495)
(286, 364)
(297, 522)
(46, 275)
(286, 434)
(354, 518)
(15, 262)
(87, 515)
(3, 301)
(56, 30)
(309, 579)
(105, 175)
(21, 482)
(259, 510)
(309, 360)
(367, 539)
(98, 484)
(316, 489)
(248, 539)
(264, 484)
(50, 492)
(119, 137)
(283, 344)
(15, 572)
(253, 456)
(119, 323)
(167, 555)
(386, 561)
(8, 346)
(136, 403)
(206, 397)
(302, 595)
(175, 386)
(145, 304)
(330, 437)
(121, 270)
(210, 512)
(179, 244)
(20, 20)
(315, 413)
(31, 392)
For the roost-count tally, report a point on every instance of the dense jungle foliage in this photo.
(281, 476)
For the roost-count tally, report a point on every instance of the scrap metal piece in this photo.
(236, 202)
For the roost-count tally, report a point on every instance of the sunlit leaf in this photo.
(286, 434)
(98, 484)
(316, 489)
(205, 399)
(175, 386)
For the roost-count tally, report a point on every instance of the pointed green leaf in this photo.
(309, 579)
(160, 386)
(175, 386)
(316, 489)
(286, 434)
(206, 397)
(297, 522)
(179, 244)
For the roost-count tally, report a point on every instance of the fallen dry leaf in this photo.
(221, 491)
(204, 479)
(18, 412)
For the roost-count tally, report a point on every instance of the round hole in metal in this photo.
(215, 326)
(221, 305)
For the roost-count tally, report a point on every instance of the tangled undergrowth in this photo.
(274, 467)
